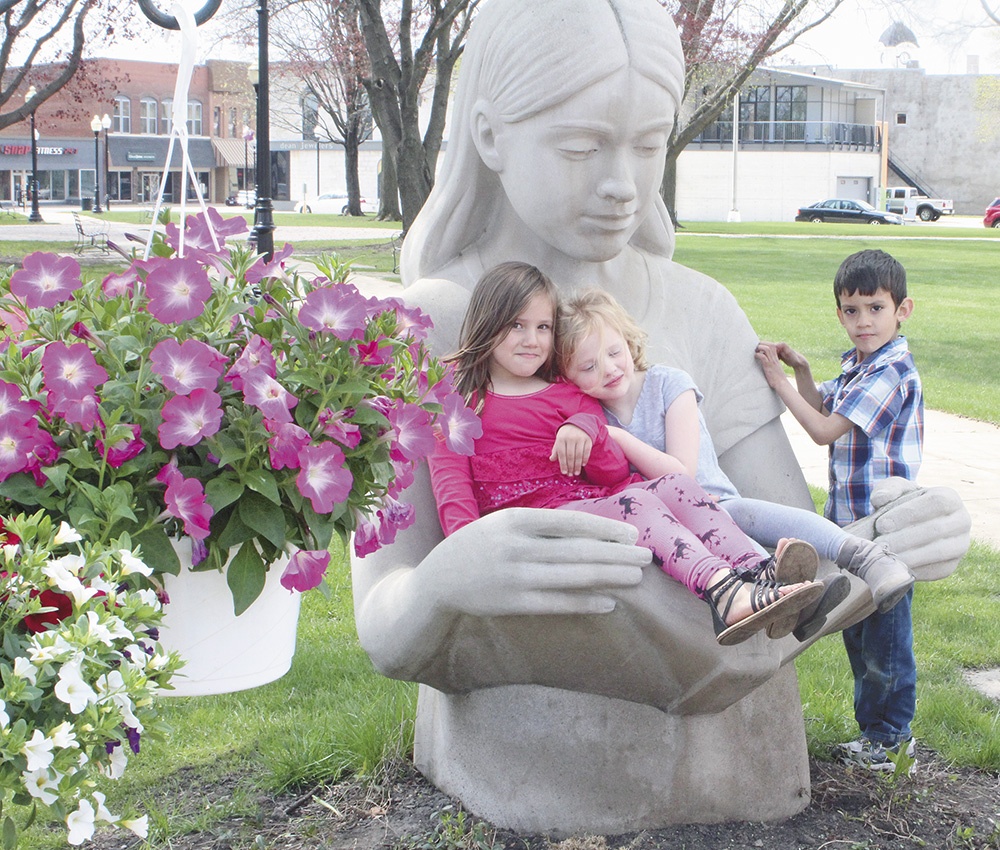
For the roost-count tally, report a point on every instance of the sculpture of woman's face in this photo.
(582, 175)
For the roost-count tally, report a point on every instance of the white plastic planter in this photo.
(226, 653)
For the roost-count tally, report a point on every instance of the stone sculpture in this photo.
(563, 690)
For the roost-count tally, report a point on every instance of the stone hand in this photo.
(524, 561)
(928, 528)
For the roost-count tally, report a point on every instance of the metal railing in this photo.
(830, 133)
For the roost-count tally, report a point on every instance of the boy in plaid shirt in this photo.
(871, 416)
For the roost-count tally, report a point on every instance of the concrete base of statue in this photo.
(545, 760)
(223, 652)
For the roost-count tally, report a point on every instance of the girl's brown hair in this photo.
(588, 310)
(501, 294)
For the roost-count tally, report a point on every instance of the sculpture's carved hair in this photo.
(523, 57)
(590, 310)
(500, 296)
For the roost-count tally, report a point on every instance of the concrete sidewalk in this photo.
(960, 453)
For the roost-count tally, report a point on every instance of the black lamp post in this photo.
(263, 227)
(106, 125)
(247, 136)
(95, 125)
(36, 216)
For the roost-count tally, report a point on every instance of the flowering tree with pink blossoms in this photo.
(216, 397)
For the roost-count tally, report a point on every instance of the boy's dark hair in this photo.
(866, 272)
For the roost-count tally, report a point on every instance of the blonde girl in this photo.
(532, 425)
(654, 415)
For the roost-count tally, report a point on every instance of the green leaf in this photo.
(221, 492)
(9, 834)
(21, 488)
(157, 552)
(245, 577)
(265, 517)
(57, 475)
(235, 532)
(263, 483)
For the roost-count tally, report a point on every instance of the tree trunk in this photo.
(351, 145)
(388, 202)
(668, 186)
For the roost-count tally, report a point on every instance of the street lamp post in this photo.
(263, 228)
(35, 216)
(247, 136)
(106, 125)
(95, 125)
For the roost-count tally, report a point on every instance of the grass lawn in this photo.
(786, 288)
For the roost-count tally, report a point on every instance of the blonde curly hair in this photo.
(585, 312)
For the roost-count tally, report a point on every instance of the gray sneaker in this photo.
(872, 755)
(887, 577)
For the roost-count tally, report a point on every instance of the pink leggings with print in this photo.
(690, 536)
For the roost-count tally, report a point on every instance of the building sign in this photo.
(14, 150)
(140, 157)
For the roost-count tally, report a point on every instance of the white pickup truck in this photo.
(927, 209)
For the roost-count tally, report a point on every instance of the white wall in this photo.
(771, 185)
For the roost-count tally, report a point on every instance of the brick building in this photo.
(130, 155)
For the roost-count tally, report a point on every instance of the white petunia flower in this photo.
(65, 568)
(111, 686)
(39, 784)
(66, 534)
(38, 751)
(40, 654)
(24, 669)
(4, 716)
(149, 597)
(117, 763)
(72, 689)
(63, 736)
(10, 550)
(97, 629)
(132, 564)
(139, 826)
(80, 824)
(102, 813)
(101, 584)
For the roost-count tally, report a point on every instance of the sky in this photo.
(947, 32)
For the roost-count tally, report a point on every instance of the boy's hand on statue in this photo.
(766, 354)
(571, 449)
(789, 356)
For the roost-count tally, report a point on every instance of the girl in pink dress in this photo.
(537, 429)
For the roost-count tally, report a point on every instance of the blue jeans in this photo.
(880, 649)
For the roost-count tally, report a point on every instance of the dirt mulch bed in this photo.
(850, 810)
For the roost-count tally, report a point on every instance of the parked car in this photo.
(847, 210)
(926, 209)
(992, 218)
(331, 203)
(243, 198)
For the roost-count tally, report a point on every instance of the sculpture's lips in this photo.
(612, 223)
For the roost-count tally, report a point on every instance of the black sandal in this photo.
(766, 604)
(797, 562)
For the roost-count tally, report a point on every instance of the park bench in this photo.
(92, 234)
(7, 208)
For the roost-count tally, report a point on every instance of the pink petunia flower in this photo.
(197, 235)
(395, 517)
(337, 309)
(18, 439)
(124, 449)
(45, 453)
(323, 480)
(187, 366)
(169, 472)
(121, 284)
(256, 355)
(413, 322)
(76, 411)
(70, 371)
(261, 269)
(11, 401)
(460, 425)
(267, 395)
(284, 447)
(371, 354)
(189, 419)
(45, 280)
(414, 434)
(365, 537)
(177, 289)
(333, 424)
(305, 570)
(402, 477)
(185, 499)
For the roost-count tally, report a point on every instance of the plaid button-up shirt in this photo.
(882, 397)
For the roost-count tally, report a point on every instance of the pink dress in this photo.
(690, 537)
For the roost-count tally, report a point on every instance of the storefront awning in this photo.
(150, 152)
(231, 152)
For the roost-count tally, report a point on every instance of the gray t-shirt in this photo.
(661, 388)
